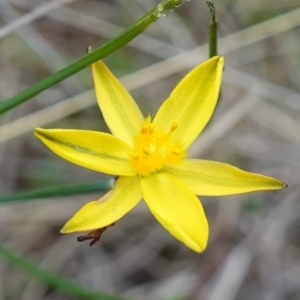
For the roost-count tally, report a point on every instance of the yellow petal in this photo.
(177, 209)
(211, 178)
(90, 149)
(192, 102)
(115, 204)
(120, 112)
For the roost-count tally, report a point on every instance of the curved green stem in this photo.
(109, 47)
(72, 289)
(161, 9)
(59, 191)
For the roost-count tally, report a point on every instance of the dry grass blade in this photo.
(30, 17)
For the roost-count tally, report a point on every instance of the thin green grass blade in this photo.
(59, 191)
(53, 280)
(163, 8)
(109, 47)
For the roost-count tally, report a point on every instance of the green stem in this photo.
(112, 45)
(52, 280)
(163, 8)
(213, 29)
(59, 190)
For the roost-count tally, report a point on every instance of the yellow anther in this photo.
(146, 150)
(176, 151)
(155, 147)
(136, 157)
(150, 128)
(174, 126)
(144, 129)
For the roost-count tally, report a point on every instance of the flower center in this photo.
(154, 148)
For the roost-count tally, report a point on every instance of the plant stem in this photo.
(112, 45)
(59, 190)
(163, 8)
(57, 282)
(213, 29)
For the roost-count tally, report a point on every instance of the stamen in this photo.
(176, 151)
(136, 157)
(150, 128)
(144, 129)
(146, 150)
(174, 126)
(154, 148)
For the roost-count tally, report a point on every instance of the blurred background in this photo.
(253, 251)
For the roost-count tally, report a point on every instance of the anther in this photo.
(144, 129)
(146, 150)
(174, 126)
(136, 157)
(176, 151)
(150, 128)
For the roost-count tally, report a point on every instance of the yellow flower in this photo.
(150, 156)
